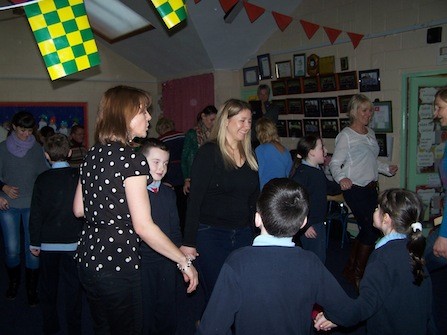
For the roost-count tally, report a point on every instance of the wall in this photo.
(394, 43)
(23, 76)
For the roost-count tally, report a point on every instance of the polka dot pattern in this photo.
(108, 242)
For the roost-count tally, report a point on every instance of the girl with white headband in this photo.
(395, 292)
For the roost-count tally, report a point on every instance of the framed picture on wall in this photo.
(347, 80)
(382, 119)
(265, 67)
(293, 86)
(369, 80)
(311, 127)
(310, 84)
(329, 128)
(381, 140)
(343, 102)
(328, 83)
(295, 128)
(282, 106)
(344, 122)
(295, 106)
(283, 69)
(328, 107)
(279, 87)
(251, 76)
(299, 65)
(281, 126)
(311, 107)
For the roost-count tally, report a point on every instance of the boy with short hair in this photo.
(158, 273)
(272, 286)
(54, 233)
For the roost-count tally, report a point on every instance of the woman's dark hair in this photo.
(405, 208)
(305, 144)
(24, 119)
(283, 206)
(208, 110)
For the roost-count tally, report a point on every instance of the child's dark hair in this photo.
(23, 119)
(305, 144)
(150, 143)
(283, 205)
(57, 146)
(405, 208)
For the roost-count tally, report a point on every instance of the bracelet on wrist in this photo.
(184, 268)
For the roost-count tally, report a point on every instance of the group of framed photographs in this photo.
(326, 128)
(314, 107)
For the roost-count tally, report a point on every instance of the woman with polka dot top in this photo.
(113, 199)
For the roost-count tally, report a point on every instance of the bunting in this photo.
(253, 11)
(171, 11)
(227, 4)
(309, 28)
(332, 34)
(63, 35)
(282, 20)
(355, 38)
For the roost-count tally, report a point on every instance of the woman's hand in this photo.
(393, 169)
(4, 205)
(440, 247)
(189, 252)
(186, 186)
(345, 184)
(321, 323)
(311, 233)
(11, 191)
(191, 276)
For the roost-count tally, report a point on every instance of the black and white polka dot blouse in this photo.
(108, 241)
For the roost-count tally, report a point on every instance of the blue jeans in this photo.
(10, 222)
(214, 245)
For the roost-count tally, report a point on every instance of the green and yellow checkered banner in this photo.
(171, 11)
(64, 36)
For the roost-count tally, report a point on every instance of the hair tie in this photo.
(416, 226)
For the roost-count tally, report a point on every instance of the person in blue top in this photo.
(274, 160)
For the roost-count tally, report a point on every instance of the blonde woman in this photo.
(224, 190)
(274, 159)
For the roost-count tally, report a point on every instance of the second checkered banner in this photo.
(64, 36)
(171, 11)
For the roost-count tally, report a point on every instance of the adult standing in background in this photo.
(194, 138)
(274, 159)
(224, 190)
(112, 197)
(78, 150)
(21, 161)
(355, 167)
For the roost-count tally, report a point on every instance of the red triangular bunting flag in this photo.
(228, 4)
(253, 11)
(332, 33)
(309, 28)
(282, 20)
(355, 38)
(196, 1)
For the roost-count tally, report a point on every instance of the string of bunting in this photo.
(254, 12)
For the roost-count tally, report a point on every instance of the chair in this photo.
(338, 210)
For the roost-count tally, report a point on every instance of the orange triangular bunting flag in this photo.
(228, 4)
(282, 20)
(253, 11)
(332, 33)
(355, 38)
(309, 28)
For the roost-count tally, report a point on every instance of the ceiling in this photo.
(205, 43)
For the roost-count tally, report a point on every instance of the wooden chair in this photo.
(338, 210)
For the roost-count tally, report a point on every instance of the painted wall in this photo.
(395, 43)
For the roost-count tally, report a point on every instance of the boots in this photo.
(363, 253)
(14, 281)
(348, 271)
(32, 277)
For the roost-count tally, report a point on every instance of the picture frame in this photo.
(328, 83)
(344, 63)
(282, 105)
(311, 127)
(279, 87)
(347, 80)
(251, 76)
(299, 65)
(281, 127)
(329, 128)
(264, 66)
(329, 107)
(369, 80)
(343, 102)
(310, 84)
(382, 142)
(382, 119)
(295, 106)
(327, 65)
(295, 128)
(293, 86)
(344, 122)
(61, 115)
(311, 107)
(283, 69)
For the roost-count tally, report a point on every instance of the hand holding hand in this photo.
(321, 323)
(189, 252)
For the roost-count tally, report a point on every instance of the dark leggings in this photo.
(363, 201)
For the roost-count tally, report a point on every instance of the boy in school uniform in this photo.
(54, 234)
(272, 286)
(159, 273)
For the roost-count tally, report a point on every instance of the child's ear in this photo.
(258, 220)
(47, 156)
(386, 219)
(69, 153)
(304, 222)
